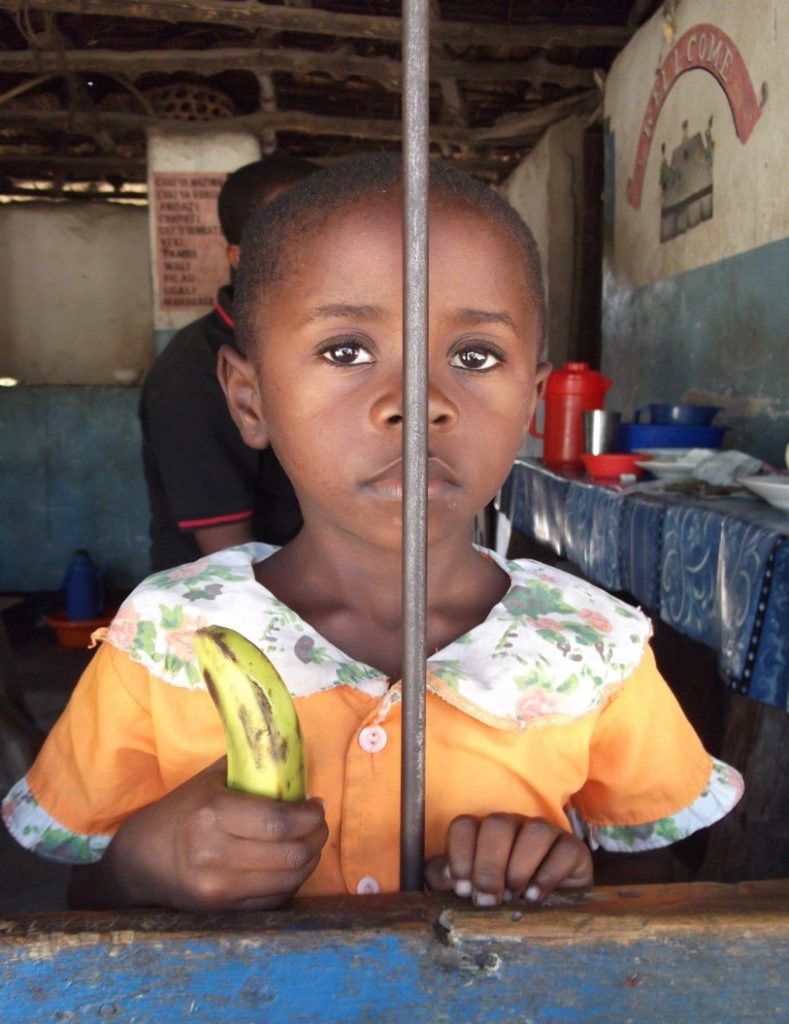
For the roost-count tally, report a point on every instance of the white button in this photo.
(372, 739)
(367, 886)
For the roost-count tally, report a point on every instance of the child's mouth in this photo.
(388, 484)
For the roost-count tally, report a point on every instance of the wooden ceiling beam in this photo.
(387, 73)
(28, 163)
(251, 15)
(510, 129)
(514, 128)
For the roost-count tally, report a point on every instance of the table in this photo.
(651, 953)
(714, 569)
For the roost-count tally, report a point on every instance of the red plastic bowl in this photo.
(76, 633)
(613, 465)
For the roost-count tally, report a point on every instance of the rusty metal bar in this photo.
(416, 126)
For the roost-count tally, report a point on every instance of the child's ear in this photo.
(240, 385)
(538, 391)
(541, 379)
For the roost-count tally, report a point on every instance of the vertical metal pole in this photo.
(416, 118)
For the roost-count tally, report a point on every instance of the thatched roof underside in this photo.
(81, 81)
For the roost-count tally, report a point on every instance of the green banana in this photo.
(265, 752)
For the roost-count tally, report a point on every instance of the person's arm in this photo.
(651, 785)
(203, 473)
(226, 535)
(205, 847)
(130, 785)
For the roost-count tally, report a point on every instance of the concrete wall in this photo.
(75, 292)
(546, 190)
(70, 477)
(700, 315)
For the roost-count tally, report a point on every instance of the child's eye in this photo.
(476, 357)
(347, 352)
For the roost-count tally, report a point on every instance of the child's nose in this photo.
(387, 410)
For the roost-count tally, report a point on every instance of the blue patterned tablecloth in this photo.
(716, 570)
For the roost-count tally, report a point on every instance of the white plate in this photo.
(678, 454)
(774, 489)
(667, 470)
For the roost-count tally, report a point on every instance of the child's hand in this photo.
(503, 856)
(207, 847)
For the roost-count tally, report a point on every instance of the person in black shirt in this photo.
(206, 489)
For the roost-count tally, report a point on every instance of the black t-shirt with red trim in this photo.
(198, 470)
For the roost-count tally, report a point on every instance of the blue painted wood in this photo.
(660, 953)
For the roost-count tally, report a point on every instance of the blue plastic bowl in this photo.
(679, 415)
(632, 436)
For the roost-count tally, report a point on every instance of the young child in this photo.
(549, 729)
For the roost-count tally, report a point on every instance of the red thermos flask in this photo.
(568, 393)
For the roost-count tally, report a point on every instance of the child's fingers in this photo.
(461, 849)
(503, 856)
(438, 875)
(218, 767)
(272, 821)
(531, 846)
(495, 837)
(545, 857)
(254, 889)
(228, 853)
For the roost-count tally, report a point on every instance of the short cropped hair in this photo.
(253, 185)
(276, 230)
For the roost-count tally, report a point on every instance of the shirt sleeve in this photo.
(650, 781)
(101, 761)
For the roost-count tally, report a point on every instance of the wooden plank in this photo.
(252, 15)
(702, 952)
(388, 73)
(510, 129)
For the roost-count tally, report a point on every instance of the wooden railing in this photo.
(698, 952)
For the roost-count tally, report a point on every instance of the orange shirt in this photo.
(628, 764)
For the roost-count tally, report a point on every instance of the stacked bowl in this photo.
(671, 426)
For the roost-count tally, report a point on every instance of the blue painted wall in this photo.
(721, 330)
(70, 477)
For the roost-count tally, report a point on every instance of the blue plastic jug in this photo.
(84, 587)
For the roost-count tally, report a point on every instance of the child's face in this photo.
(328, 394)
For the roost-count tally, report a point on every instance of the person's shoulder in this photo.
(187, 344)
(566, 592)
(156, 622)
(187, 363)
(554, 648)
(577, 620)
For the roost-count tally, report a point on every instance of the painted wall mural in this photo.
(686, 182)
(703, 47)
(696, 217)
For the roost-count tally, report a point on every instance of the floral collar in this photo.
(554, 648)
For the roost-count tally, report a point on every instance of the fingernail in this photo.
(532, 893)
(507, 896)
(484, 899)
(462, 887)
(446, 873)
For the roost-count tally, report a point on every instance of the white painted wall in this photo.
(172, 151)
(749, 180)
(701, 317)
(75, 292)
(76, 280)
(546, 189)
